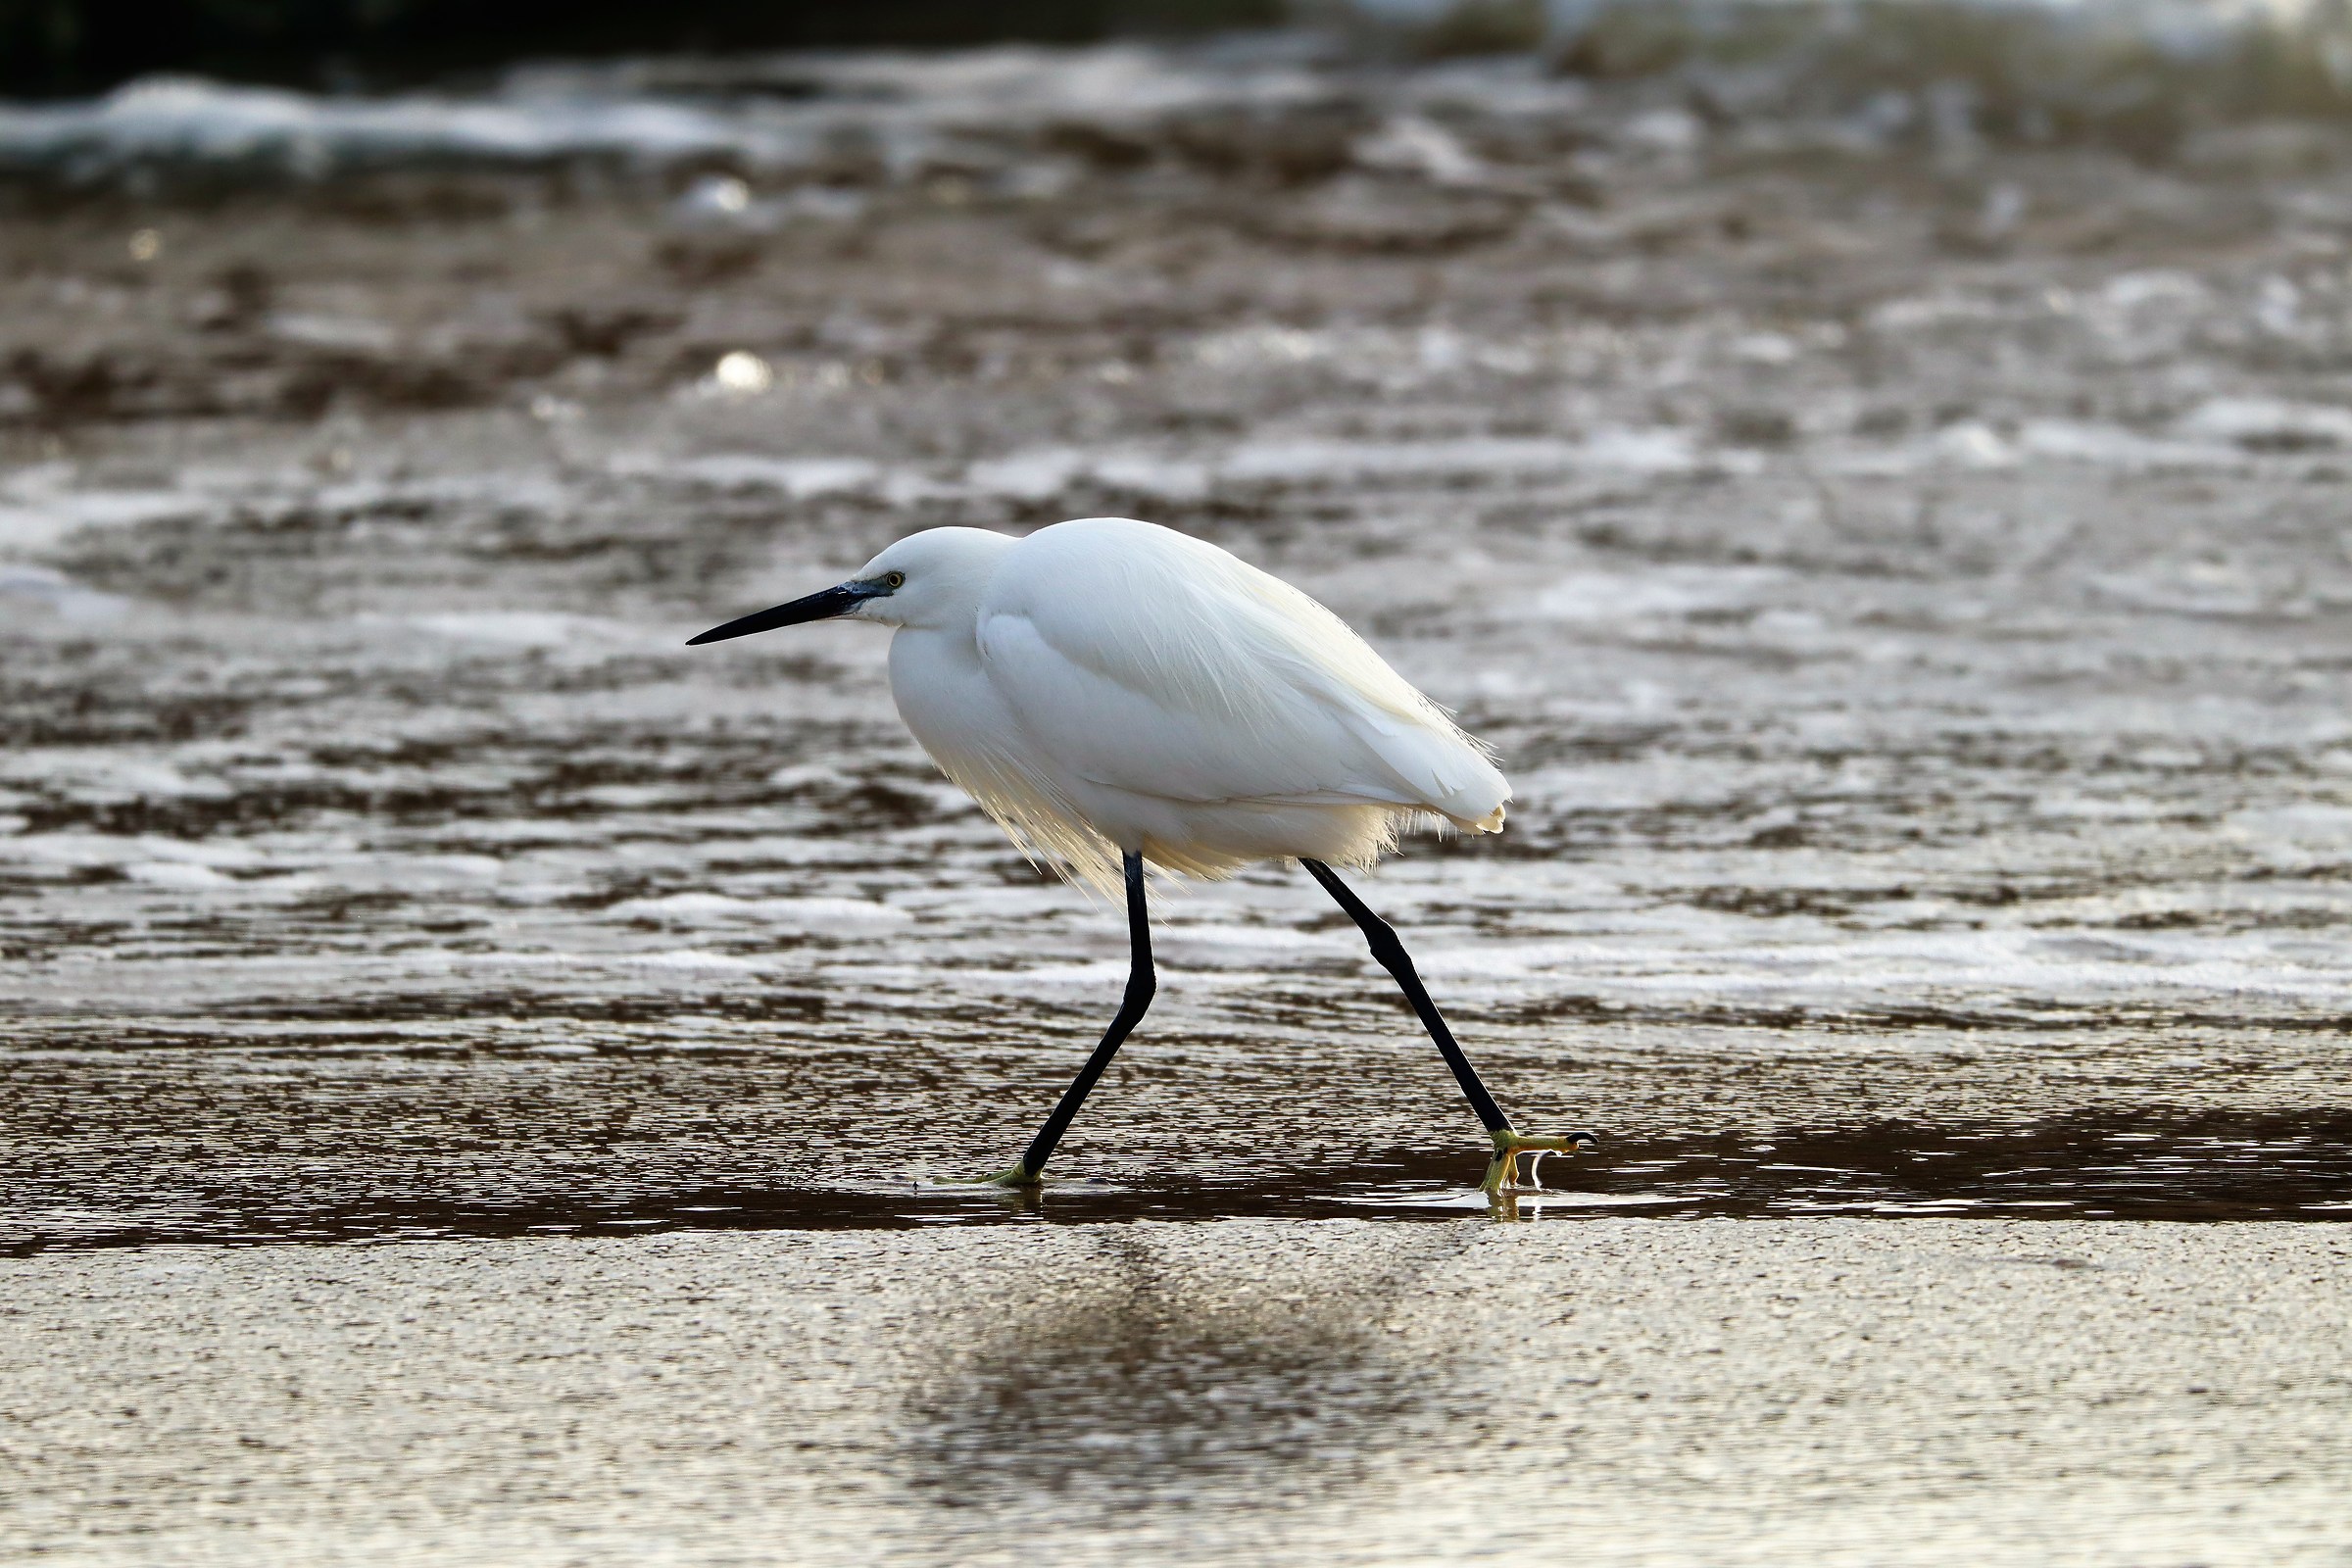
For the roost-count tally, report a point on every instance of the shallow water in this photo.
(374, 1188)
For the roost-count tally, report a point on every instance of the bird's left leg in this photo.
(1504, 1170)
(1140, 982)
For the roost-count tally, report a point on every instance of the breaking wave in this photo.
(2139, 74)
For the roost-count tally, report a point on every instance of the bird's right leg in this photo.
(1141, 984)
(1509, 1143)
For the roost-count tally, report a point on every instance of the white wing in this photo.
(1149, 661)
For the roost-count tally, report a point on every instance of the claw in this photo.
(1503, 1171)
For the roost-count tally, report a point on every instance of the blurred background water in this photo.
(2139, 73)
(1872, 469)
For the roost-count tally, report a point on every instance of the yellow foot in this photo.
(1016, 1177)
(1503, 1172)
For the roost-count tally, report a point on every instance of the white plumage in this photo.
(1108, 685)
(1114, 693)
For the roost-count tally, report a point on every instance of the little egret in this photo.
(1112, 693)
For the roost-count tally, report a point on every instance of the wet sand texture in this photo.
(1835, 1392)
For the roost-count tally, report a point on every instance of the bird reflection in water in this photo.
(1139, 1372)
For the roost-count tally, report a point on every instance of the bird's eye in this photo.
(893, 579)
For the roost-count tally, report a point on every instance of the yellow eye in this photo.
(893, 579)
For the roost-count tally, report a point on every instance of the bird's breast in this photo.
(943, 693)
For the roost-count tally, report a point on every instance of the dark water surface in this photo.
(2216, 1167)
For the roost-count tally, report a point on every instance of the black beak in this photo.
(816, 607)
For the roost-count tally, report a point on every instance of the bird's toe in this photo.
(1503, 1172)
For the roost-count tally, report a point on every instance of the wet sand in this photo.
(1907, 585)
(1248, 1391)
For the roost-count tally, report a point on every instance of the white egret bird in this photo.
(1114, 693)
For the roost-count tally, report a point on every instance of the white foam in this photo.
(523, 628)
(811, 913)
(798, 477)
(196, 121)
(529, 628)
(688, 958)
(1040, 475)
(56, 594)
(1648, 451)
(1048, 974)
(350, 333)
(2187, 588)
(2129, 291)
(1602, 596)
(2114, 446)
(2260, 421)
(2312, 823)
(1414, 143)
(40, 511)
(1027, 475)
(1169, 479)
(102, 849)
(1258, 938)
(97, 773)
(905, 107)
(174, 874)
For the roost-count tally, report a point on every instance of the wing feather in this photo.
(1153, 662)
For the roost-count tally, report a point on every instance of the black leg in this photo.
(1399, 964)
(1139, 986)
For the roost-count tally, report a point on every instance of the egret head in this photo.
(928, 579)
